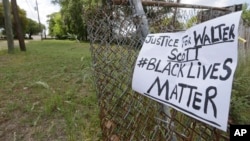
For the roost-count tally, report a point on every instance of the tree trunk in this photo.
(8, 26)
(18, 25)
(30, 36)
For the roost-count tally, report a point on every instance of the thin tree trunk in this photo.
(19, 29)
(8, 26)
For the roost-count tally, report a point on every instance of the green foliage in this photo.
(72, 20)
(1, 16)
(56, 27)
(33, 28)
(246, 15)
(22, 15)
(191, 22)
(23, 20)
(69, 21)
(240, 100)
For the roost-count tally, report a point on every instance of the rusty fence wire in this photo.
(116, 33)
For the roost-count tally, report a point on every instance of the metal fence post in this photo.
(142, 23)
(143, 30)
(117, 30)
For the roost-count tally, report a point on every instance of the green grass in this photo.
(45, 93)
(240, 99)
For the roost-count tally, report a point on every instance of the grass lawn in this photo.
(46, 94)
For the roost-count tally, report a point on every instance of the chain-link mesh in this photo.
(115, 32)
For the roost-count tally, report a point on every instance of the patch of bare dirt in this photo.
(3, 44)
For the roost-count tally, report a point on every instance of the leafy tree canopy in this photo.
(56, 26)
(33, 28)
(1, 16)
(73, 20)
(22, 15)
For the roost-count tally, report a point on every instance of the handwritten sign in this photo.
(191, 71)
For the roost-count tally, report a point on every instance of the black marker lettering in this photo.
(227, 68)
(209, 98)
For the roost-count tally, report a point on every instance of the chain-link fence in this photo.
(116, 31)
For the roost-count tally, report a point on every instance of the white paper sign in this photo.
(191, 71)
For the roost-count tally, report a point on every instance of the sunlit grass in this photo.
(45, 93)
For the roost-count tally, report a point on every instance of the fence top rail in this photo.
(169, 4)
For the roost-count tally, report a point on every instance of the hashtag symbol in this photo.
(142, 62)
